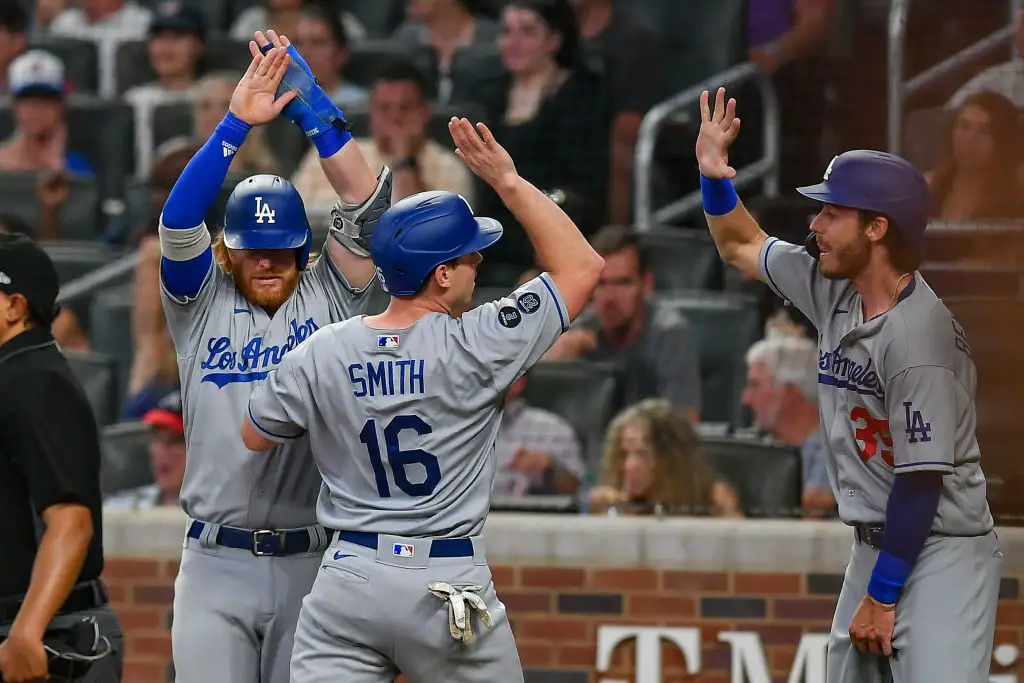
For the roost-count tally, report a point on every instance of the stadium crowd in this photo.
(109, 99)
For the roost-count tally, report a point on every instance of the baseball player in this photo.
(402, 411)
(896, 386)
(236, 304)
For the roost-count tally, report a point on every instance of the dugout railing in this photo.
(646, 216)
(900, 89)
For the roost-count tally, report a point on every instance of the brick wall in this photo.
(556, 611)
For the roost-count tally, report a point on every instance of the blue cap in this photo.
(880, 182)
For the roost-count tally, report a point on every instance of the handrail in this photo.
(98, 279)
(899, 90)
(645, 215)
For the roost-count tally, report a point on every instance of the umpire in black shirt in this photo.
(55, 623)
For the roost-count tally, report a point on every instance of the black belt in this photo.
(261, 542)
(83, 596)
(870, 534)
(439, 547)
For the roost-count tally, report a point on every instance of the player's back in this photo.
(402, 423)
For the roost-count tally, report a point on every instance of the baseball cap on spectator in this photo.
(167, 414)
(36, 72)
(26, 269)
(178, 16)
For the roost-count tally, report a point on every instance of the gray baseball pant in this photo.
(945, 618)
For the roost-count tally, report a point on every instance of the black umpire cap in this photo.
(26, 269)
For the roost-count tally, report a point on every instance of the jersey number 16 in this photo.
(398, 459)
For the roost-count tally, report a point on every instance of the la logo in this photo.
(828, 171)
(264, 211)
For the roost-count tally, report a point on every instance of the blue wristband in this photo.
(719, 196)
(888, 578)
(331, 140)
(232, 129)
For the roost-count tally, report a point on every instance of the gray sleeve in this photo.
(793, 275)
(279, 407)
(351, 301)
(921, 404)
(509, 336)
(187, 318)
(678, 361)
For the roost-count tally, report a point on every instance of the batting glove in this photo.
(312, 109)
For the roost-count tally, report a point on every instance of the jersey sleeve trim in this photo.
(765, 249)
(563, 314)
(273, 436)
(925, 466)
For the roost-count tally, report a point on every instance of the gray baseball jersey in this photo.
(226, 347)
(403, 423)
(896, 393)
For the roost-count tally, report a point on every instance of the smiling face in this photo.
(843, 241)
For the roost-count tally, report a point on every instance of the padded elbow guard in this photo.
(353, 225)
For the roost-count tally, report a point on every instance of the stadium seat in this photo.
(170, 121)
(726, 325)
(682, 259)
(75, 259)
(132, 65)
(125, 457)
(586, 394)
(922, 129)
(767, 477)
(110, 331)
(378, 17)
(78, 217)
(80, 58)
(368, 57)
(98, 374)
(475, 68)
(965, 279)
(437, 128)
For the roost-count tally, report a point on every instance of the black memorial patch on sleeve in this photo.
(528, 302)
(509, 317)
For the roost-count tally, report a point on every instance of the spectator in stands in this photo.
(1007, 78)
(980, 175)
(40, 139)
(166, 458)
(103, 19)
(551, 115)
(655, 348)
(399, 115)
(782, 392)
(320, 37)
(788, 39)
(154, 367)
(445, 26)
(45, 12)
(177, 39)
(13, 35)
(213, 95)
(538, 452)
(653, 464)
(283, 16)
(630, 57)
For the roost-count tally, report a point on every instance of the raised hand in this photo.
(718, 130)
(482, 153)
(254, 100)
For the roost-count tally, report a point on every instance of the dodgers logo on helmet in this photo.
(266, 212)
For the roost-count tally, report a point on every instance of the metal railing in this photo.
(645, 215)
(98, 279)
(899, 90)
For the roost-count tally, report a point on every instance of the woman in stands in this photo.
(653, 465)
(980, 175)
(553, 117)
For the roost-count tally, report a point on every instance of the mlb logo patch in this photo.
(387, 341)
(403, 550)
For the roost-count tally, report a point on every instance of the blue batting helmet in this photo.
(266, 212)
(421, 232)
(880, 182)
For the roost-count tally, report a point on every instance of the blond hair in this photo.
(682, 481)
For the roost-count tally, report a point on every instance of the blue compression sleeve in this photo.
(908, 520)
(200, 182)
